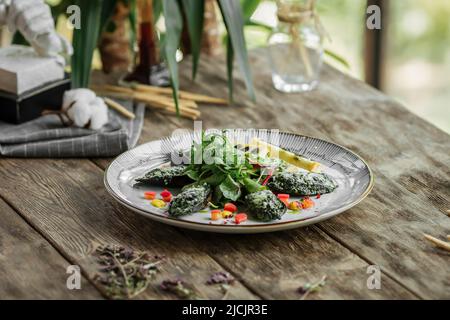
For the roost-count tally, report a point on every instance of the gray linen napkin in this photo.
(46, 137)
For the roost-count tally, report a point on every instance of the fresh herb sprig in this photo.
(229, 170)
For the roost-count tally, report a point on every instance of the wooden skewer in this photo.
(170, 107)
(182, 102)
(439, 243)
(153, 100)
(165, 91)
(168, 104)
(119, 108)
(109, 87)
(189, 112)
(188, 109)
(183, 113)
(187, 116)
(183, 94)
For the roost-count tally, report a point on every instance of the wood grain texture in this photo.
(66, 200)
(276, 265)
(30, 268)
(409, 157)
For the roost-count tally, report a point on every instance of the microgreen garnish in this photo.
(230, 171)
(125, 273)
(212, 205)
(309, 288)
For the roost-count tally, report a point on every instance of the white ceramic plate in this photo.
(350, 171)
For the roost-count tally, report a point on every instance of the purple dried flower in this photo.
(169, 284)
(220, 278)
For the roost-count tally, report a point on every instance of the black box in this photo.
(29, 105)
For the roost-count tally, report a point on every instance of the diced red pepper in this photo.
(167, 198)
(284, 198)
(318, 196)
(268, 177)
(307, 203)
(165, 193)
(149, 195)
(241, 217)
(230, 207)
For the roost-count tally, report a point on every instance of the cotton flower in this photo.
(99, 114)
(85, 109)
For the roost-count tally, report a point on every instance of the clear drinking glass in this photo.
(295, 47)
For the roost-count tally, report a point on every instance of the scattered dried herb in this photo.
(220, 278)
(224, 279)
(308, 288)
(124, 272)
(179, 288)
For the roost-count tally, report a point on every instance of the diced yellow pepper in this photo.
(226, 214)
(158, 203)
(295, 206)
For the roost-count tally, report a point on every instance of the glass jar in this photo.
(295, 47)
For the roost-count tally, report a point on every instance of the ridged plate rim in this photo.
(271, 227)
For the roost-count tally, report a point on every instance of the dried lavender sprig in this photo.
(125, 273)
(220, 277)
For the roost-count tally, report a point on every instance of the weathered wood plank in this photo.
(276, 265)
(410, 162)
(66, 200)
(30, 268)
(409, 158)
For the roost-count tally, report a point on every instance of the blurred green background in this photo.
(417, 53)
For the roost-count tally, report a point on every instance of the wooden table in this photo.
(53, 211)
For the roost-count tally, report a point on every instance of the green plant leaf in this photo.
(193, 174)
(230, 65)
(85, 41)
(230, 188)
(251, 185)
(157, 9)
(106, 14)
(263, 26)
(338, 58)
(234, 22)
(249, 7)
(59, 9)
(194, 12)
(132, 18)
(215, 179)
(174, 25)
